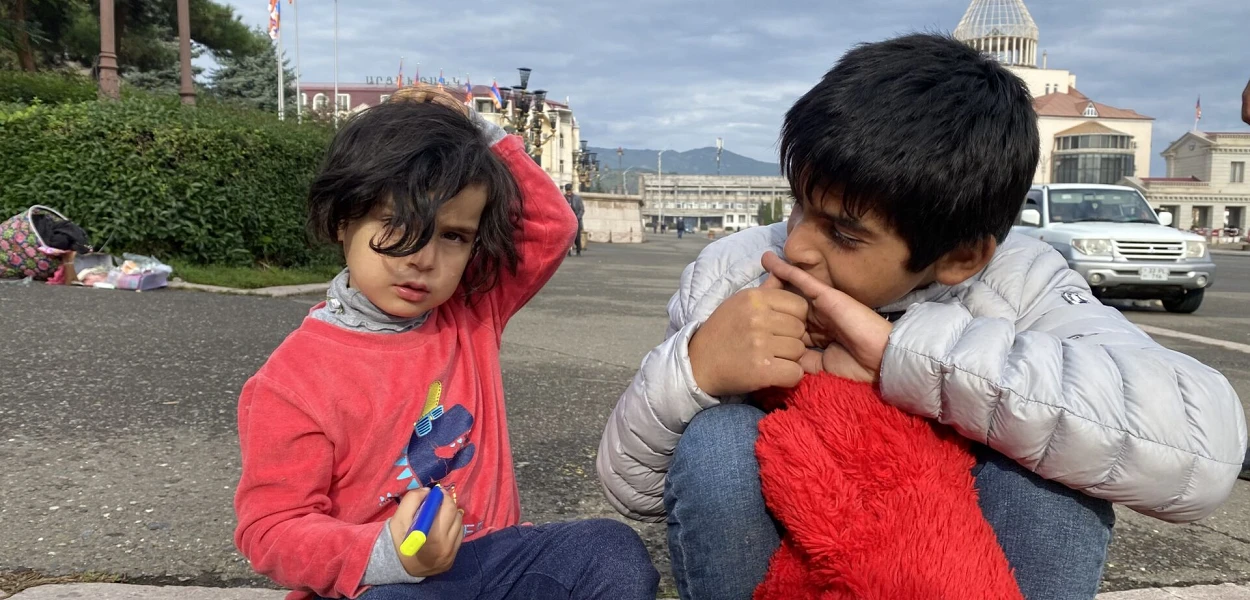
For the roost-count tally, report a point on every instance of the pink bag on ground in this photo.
(22, 251)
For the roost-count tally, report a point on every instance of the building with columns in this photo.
(1206, 187)
(1082, 140)
(559, 130)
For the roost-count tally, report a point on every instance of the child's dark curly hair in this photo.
(416, 156)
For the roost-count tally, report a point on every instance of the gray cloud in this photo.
(680, 73)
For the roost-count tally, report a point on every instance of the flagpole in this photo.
(335, 104)
(299, 99)
(281, 82)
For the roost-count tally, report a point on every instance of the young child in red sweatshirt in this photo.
(393, 384)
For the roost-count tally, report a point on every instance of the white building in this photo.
(1206, 187)
(559, 128)
(1082, 141)
(711, 202)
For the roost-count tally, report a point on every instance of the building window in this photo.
(1090, 111)
(303, 99)
(1237, 174)
(384, 98)
(345, 101)
(320, 101)
(1093, 168)
(561, 166)
(485, 106)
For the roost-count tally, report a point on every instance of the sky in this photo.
(680, 73)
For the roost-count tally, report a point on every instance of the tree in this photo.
(253, 80)
(49, 33)
(770, 212)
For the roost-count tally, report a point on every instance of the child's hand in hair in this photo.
(443, 543)
(853, 336)
(424, 92)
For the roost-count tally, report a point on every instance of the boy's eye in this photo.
(843, 239)
(453, 236)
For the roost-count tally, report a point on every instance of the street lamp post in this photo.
(586, 164)
(110, 86)
(530, 115)
(185, 88)
(659, 169)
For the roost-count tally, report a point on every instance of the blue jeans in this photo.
(600, 559)
(721, 536)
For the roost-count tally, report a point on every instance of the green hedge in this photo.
(213, 184)
(49, 88)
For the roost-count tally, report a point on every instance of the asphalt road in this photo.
(117, 417)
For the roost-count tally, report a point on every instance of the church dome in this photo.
(1001, 28)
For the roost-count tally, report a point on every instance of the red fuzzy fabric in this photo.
(876, 504)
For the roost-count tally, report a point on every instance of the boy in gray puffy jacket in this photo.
(909, 162)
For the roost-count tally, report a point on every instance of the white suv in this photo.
(1112, 237)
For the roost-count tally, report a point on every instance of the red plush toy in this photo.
(876, 504)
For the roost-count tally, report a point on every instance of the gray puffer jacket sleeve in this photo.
(1027, 362)
(638, 442)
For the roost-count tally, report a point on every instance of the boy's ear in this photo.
(963, 262)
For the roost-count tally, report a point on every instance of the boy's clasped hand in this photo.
(790, 325)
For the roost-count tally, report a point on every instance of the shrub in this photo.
(49, 88)
(210, 184)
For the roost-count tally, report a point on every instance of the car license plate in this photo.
(1154, 274)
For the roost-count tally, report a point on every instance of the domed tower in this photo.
(1001, 28)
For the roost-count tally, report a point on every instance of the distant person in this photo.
(909, 161)
(681, 228)
(579, 209)
(392, 385)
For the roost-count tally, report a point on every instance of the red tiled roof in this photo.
(1073, 103)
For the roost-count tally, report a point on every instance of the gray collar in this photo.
(350, 309)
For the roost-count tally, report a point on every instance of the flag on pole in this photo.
(468, 91)
(1198, 109)
(416, 77)
(441, 81)
(275, 18)
(399, 83)
(496, 95)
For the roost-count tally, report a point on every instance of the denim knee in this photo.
(723, 434)
(620, 553)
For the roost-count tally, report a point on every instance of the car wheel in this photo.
(1185, 304)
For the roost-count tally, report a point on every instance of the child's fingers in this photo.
(446, 515)
(772, 283)
(456, 534)
(409, 505)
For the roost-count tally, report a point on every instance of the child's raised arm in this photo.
(545, 233)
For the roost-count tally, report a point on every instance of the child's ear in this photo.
(963, 262)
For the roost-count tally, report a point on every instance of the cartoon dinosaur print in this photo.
(439, 444)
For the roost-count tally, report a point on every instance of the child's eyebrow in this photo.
(850, 223)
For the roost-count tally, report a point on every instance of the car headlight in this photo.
(1195, 249)
(1092, 247)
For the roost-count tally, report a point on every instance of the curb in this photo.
(280, 291)
(1222, 252)
(122, 591)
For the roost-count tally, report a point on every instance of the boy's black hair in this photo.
(416, 156)
(934, 138)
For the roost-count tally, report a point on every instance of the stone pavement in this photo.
(117, 427)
